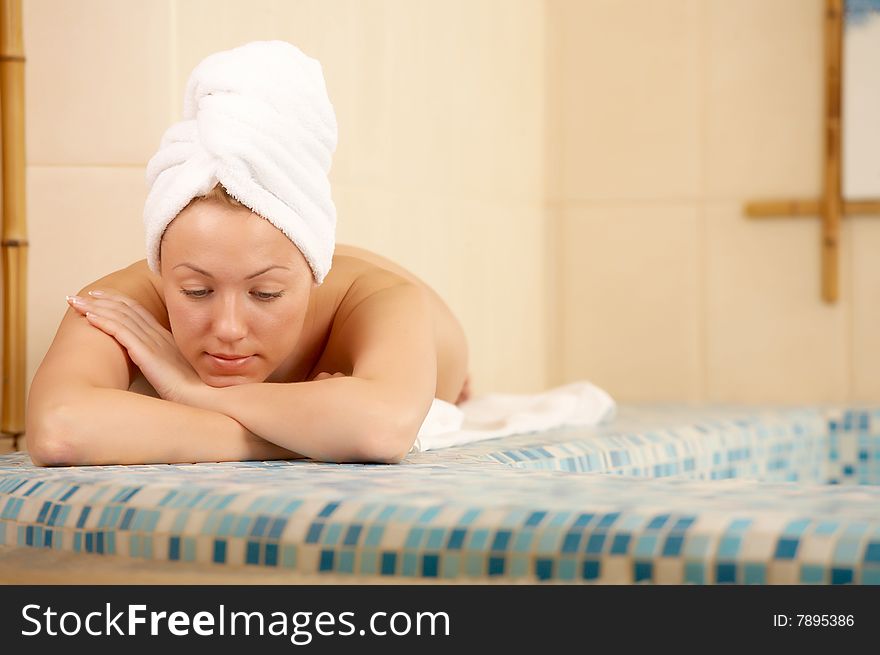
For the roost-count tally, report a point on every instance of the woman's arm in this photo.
(98, 426)
(341, 419)
(374, 415)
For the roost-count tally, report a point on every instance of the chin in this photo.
(215, 376)
(227, 383)
(225, 380)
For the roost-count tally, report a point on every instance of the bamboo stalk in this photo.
(782, 208)
(790, 208)
(14, 232)
(861, 207)
(831, 205)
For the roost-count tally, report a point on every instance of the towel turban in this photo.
(257, 120)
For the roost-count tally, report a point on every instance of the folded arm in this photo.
(96, 426)
(374, 415)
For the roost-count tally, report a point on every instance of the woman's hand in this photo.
(150, 346)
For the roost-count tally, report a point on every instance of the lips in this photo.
(224, 356)
(227, 362)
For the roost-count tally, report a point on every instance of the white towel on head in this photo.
(256, 119)
(499, 415)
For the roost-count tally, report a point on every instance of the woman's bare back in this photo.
(355, 273)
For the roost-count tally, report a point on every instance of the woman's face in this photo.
(234, 286)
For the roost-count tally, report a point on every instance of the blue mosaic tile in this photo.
(591, 570)
(544, 514)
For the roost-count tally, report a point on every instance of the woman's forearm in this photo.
(343, 419)
(111, 426)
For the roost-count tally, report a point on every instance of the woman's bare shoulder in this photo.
(139, 283)
(369, 261)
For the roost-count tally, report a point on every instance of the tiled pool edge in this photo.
(547, 541)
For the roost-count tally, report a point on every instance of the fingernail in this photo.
(76, 300)
(95, 292)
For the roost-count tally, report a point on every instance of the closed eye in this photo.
(264, 295)
(202, 293)
(199, 293)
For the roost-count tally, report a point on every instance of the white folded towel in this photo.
(499, 415)
(257, 120)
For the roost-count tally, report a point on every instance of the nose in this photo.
(230, 321)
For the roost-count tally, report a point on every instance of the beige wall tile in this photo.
(502, 298)
(631, 98)
(865, 307)
(770, 336)
(97, 89)
(555, 70)
(504, 295)
(435, 96)
(466, 108)
(83, 224)
(481, 258)
(764, 98)
(554, 265)
(631, 300)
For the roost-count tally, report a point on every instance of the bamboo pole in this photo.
(789, 208)
(831, 207)
(782, 208)
(14, 232)
(831, 200)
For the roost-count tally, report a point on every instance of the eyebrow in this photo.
(249, 277)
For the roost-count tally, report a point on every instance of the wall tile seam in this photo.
(654, 201)
(536, 201)
(554, 145)
(702, 218)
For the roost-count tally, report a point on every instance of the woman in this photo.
(249, 333)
